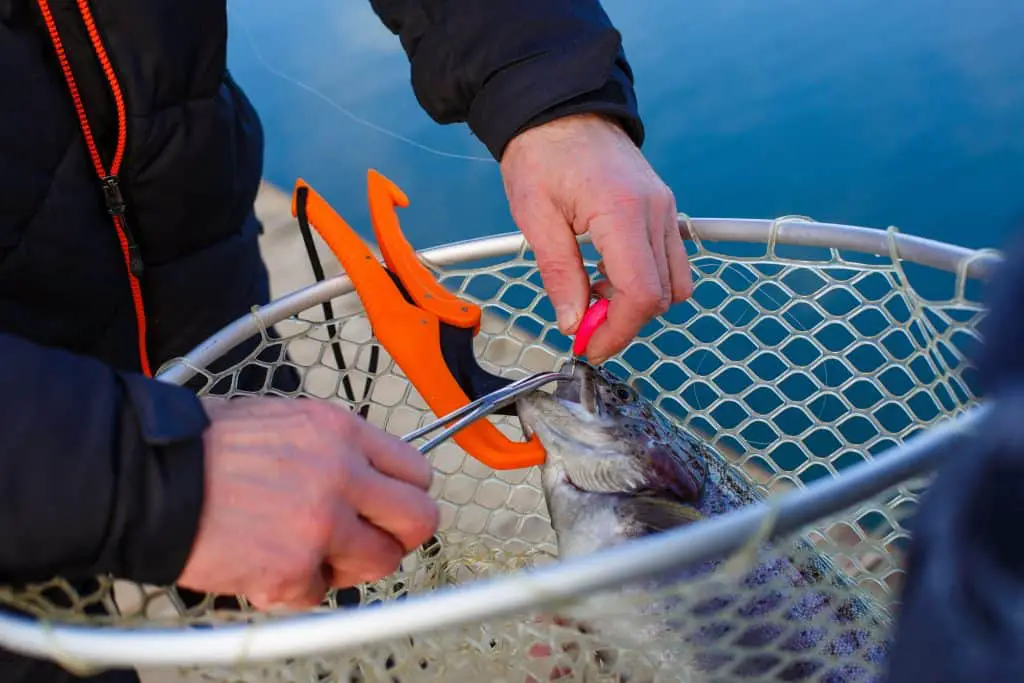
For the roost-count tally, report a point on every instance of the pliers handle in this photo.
(427, 330)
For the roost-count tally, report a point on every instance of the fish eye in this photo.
(624, 394)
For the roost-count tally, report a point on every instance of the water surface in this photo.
(902, 112)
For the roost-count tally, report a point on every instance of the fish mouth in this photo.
(547, 417)
(581, 387)
(534, 404)
(568, 414)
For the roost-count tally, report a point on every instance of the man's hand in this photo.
(302, 496)
(581, 174)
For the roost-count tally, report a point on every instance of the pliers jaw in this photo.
(426, 329)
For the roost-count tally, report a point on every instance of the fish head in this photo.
(605, 443)
(584, 410)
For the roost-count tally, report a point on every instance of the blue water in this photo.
(895, 112)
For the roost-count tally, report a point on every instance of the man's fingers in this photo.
(603, 289)
(360, 552)
(558, 258)
(391, 456)
(656, 236)
(678, 262)
(629, 261)
(314, 593)
(400, 509)
(338, 576)
(300, 596)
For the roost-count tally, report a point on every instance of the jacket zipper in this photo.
(109, 180)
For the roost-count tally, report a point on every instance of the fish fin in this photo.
(682, 475)
(606, 473)
(657, 514)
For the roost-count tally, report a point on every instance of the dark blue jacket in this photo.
(101, 468)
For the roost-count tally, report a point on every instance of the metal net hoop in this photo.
(806, 349)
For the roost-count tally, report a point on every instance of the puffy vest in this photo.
(187, 148)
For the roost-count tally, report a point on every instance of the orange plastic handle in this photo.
(412, 334)
(401, 258)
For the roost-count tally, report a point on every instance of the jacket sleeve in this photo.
(505, 65)
(100, 472)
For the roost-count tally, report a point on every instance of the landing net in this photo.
(806, 349)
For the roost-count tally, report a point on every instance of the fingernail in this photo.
(568, 317)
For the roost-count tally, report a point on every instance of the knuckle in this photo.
(384, 562)
(555, 261)
(425, 522)
(664, 194)
(339, 420)
(657, 196)
(653, 305)
(285, 587)
(310, 523)
(647, 295)
(325, 417)
(314, 418)
(628, 202)
(348, 476)
(408, 463)
(426, 470)
(685, 288)
(659, 199)
(432, 519)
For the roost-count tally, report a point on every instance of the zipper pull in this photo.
(116, 206)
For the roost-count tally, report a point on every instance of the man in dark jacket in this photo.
(129, 162)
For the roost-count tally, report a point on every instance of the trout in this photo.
(617, 469)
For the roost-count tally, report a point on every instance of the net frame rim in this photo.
(980, 264)
(311, 634)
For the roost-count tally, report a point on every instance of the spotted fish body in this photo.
(616, 470)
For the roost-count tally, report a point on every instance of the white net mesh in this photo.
(793, 364)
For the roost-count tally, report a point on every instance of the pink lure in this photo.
(592, 319)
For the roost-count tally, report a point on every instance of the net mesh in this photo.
(791, 363)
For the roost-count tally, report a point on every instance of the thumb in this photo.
(561, 266)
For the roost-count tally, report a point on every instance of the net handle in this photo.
(966, 263)
(321, 633)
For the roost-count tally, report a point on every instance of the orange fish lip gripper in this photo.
(426, 329)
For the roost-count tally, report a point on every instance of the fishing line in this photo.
(258, 55)
(786, 315)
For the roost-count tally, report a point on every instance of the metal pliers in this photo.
(426, 329)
